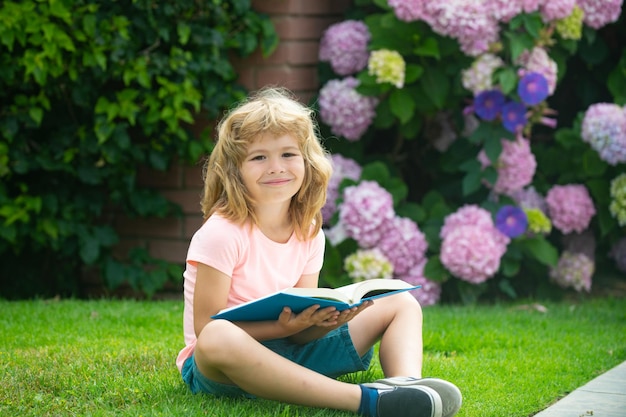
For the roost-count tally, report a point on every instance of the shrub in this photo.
(90, 92)
(466, 114)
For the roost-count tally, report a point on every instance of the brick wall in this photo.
(299, 24)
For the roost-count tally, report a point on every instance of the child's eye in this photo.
(257, 158)
(289, 154)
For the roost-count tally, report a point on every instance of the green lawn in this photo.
(104, 358)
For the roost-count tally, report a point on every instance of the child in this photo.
(265, 184)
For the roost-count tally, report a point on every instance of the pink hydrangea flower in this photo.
(573, 270)
(599, 13)
(472, 246)
(344, 45)
(430, 292)
(467, 215)
(539, 61)
(556, 9)
(529, 198)
(470, 22)
(516, 165)
(402, 243)
(479, 77)
(604, 128)
(365, 208)
(348, 113)
(505, 10)
(472, 253)
(570, 207)
(409, 10)
(343, 168)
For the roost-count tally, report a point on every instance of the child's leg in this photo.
(397, 322)
(227, 354)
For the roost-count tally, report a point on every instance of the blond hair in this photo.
(274, 111)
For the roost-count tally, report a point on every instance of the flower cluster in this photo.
(556, 9)
(344, 45)
(516, 165)
(347, 112)
(511, 221)
(604, 128)
(618, 253)
(479, 77)
(470, 22)
(538, 222)
(408, 10)
(343, 168)
(529, 198)
(387, 66)
(365, 208)
(618, 202)
(571, 27)
(402, 243)
(471, 246)
(430, 291)
(570, 207)
(600, 12)
(573, 270)
(367, 264)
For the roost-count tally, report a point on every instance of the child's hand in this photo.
(347, 315)
(313, 316)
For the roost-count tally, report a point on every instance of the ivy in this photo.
(91, 91)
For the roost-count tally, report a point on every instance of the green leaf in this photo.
(541, 250)
(430, 47)
(507, 79)
(493, 148)
(412, 73)
(436, 86)
(434, 270)
(402, 105)
(36, 113)
(471, 182)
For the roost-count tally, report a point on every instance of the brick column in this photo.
(299, 24)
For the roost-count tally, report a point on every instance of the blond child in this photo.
(265, 184)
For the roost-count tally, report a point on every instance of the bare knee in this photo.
(219, 342)
(402, 304)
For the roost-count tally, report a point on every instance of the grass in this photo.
(116, 358)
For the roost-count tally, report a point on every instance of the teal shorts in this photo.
(332, 355)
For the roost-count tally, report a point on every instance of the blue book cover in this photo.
(298, 299)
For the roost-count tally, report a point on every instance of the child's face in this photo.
(273, 169)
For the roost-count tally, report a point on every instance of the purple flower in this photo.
(513, 116)
(344, 45)
(488, 104)
(533, 88)
(511, 221)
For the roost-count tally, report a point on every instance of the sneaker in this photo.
(410, 401)
(451, 397)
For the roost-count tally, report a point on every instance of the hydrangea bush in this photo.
(477, 149)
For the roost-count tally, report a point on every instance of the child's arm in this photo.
(211, 296)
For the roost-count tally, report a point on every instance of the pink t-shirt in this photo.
(257, 265)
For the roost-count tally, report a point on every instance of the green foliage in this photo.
(91, 91)
(422, 134)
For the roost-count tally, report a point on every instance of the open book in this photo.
(298, 299)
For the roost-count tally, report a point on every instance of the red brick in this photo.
(188, 200)
(292, 78)
(192, 176)
(191, 224)
(301, 28)
(300, 6)
(169, 250)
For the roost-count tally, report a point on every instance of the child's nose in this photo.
(276, 165)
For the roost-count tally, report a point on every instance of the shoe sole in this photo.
(451, 397)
